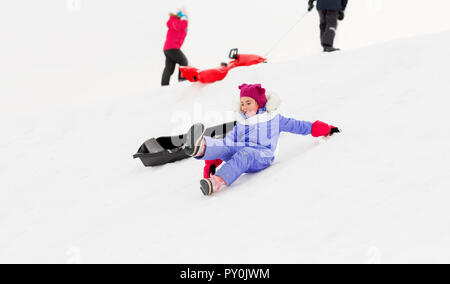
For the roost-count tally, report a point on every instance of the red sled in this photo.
(217, 74)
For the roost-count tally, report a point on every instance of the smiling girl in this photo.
(250, 146)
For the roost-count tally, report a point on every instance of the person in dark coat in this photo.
(330, 11)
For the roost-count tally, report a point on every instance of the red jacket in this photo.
(176, 34)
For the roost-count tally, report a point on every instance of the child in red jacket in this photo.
(178, 26)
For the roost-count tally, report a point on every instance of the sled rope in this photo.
(286, 34)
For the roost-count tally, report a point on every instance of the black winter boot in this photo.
(330, 49)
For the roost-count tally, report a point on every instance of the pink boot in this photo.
(212, 184)
(194, 140)
(201, 151)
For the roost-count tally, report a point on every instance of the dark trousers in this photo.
(328, 26)
(173, 57)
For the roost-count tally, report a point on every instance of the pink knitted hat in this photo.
(255, 92)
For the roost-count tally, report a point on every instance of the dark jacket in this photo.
(333, 5)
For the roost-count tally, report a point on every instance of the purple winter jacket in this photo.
(262, 130)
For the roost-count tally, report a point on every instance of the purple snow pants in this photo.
(239, 158)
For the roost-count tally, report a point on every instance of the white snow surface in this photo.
(80, 93)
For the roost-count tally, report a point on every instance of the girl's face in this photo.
(249, 106)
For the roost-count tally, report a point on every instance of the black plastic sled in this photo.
(169, 149)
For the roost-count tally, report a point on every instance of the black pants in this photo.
(173, 57)
(328, 26)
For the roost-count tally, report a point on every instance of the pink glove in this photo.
(320, 128)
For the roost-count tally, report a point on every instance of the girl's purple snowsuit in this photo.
(251, 145)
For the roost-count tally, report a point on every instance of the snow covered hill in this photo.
(70, 192)
(69, 184)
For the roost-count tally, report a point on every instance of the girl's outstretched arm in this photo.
(316, 129)
(295, 126)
